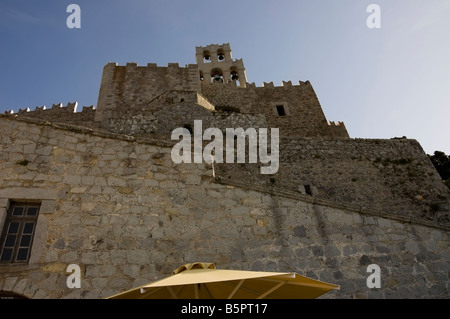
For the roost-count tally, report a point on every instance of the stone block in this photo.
(193, 180)
(138, 256)
(72, 179)
(115, 181)
(44, 150)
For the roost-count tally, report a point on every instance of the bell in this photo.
(206, 57)
(221, 57)
(218, 78)
(234, 76)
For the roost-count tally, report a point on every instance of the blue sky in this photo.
(388, 82)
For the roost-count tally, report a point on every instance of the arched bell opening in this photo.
(217, 76)
(220, 55)
(206, 56)
(201, 76)
(234, 75)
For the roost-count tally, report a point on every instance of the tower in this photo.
(216, 65)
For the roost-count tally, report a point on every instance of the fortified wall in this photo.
(112, 200)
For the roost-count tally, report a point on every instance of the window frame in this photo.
(23, 221)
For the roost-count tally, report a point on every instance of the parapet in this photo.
(150, 65)
(224, 46)
(59, 113)
(70, 107)
(284, 84)
(337, 130)
(333, 124)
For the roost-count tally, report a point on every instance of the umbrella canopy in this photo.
(204, 281)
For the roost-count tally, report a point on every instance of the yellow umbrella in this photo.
(204, 281)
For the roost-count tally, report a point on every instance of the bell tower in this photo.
(216, 65)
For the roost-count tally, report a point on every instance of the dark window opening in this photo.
(206, 57)
(220, 55)
(235, 77)
(308, 189)
(280, 110)
(18, 232)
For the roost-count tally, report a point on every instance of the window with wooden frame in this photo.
(18, 232)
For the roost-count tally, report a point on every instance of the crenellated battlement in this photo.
(331, 123)
(150, 65)
(60, 113)
(283, 84)
(337, 130)
(55, 108)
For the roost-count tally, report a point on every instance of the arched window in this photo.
(234, 75)
(206, 56)
(220, 55)
(217, 76)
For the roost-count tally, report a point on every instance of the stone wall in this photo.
(129, 87)
(304, 116)
(119, 208)
(394, 176)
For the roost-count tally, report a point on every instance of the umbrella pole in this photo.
(236, 289)
(174, 296)
(271, 290)
(207, 290)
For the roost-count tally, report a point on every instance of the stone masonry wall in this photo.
(124, 88)
(394, 176)
(304, 115)
(119, 208)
